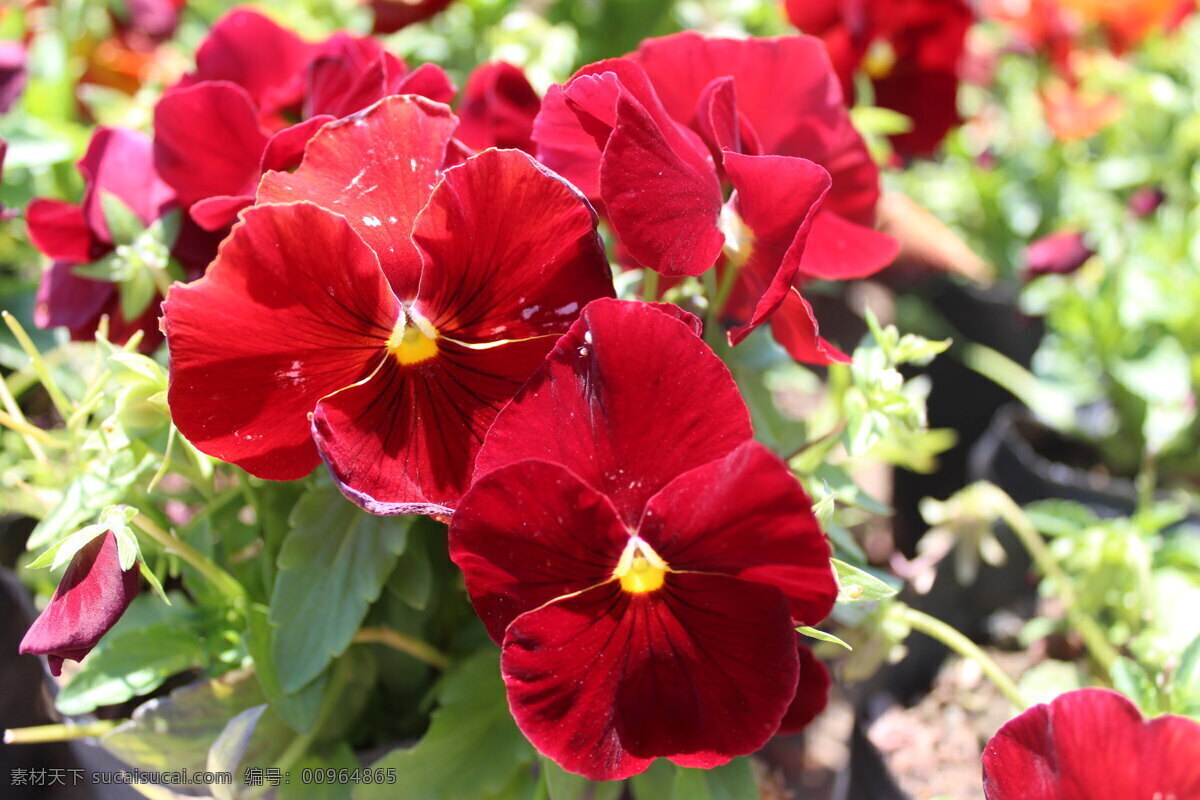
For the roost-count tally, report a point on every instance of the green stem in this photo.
(39, 734)
(936, 629)
(225, 583)
(1093, 636)
(649, 285)
(39, 365)
(422, 651)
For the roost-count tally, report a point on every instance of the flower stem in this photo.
(1093, 637)
(225, 583)
(422, 651)
(936, 629)
(649, 285)
(39, 734)
(39, 365)
(28, 430)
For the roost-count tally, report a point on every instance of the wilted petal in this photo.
(605, 401)
(294, 307)
(510, 251)
(528, 533)
(605, 681)
(376, 168)
(92, 595)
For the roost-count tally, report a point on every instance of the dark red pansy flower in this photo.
(1092, 744)
(1145, 200)
(257, 95)
(375, 311)
(645, 596)
(392, 15)
(12, 73)
(92, 595)
(658, 139)
(118, 163)
(154, 19)
(497, 108)
(910, 49)
(812, 692)
(1058, 253)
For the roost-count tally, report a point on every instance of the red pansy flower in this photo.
(497, 108)
(657, 139)
(154, 19)
(118, 163)
(645, 596)
(259, 92)
(92, 595)
(376, 311)
(910, 49)
(392, 15)
(1092, 744)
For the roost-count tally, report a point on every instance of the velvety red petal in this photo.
(294, 307)
(376, 168)
(497, 108)
(350, 74)
(207, 141)
(121, 162)
(405, 441)
(745, 515)
(248, 49)
(526, 271)
(218, 213)
(564, 146)
(427, 80)
(605, 681)
(789, 94)
(285, 150)
(603, 405)
(392, 15)
(812, 691)
(717, 118)
(67, 300)
(528, 533)
(930, 99)
(777, 198)
(1092, 744)
(663, 199)
(92, 595)
(795, 328)
(60, 231)
(840, 250)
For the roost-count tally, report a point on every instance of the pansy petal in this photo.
(498, 108)
(207, 141)
(427, 80)
(285, 150)
(67, 300)
(604, 681)
(564, 146)
(745, 515)
(248, 49)
(376, 168)
(603, 399)
(217, 213)
(717, 117)
(777, 199)
(60, 231)
(528, 533)
(812, 691)
(392, 15)
(405, 441)
(841, 250)
(1092, 744)
(510, 251)
(663, 201)
(273, 327)
(795, 328)
(121, 162)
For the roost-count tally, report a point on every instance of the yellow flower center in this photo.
(640, 569)
(880, 59)
(413, 340)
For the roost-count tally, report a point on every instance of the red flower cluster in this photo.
(645, 595)
(225, 124)
(738, 154)
(910, 49)
(377, 307)
(92, 595)
(83, 283)
(1092, 744)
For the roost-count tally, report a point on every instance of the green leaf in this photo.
(299, 709)
(1060, 517)
(1130, 679)
(656, 783)
(62, 552)
(137, 293)
(813, 633)
(1185, 684)
(412, 582)
(859, 586)
(177, 731)
(342, 757)
(733, 781)
(562, 785)
(229, 748)
(132, 664)
(124, 225)
(332, 566)
(472, 747)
